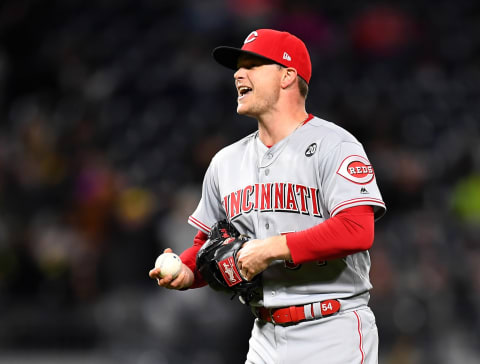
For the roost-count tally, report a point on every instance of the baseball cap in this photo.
(277, 46)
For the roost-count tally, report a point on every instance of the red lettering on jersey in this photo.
(226, 205)
(272, 197)
(247, 205)
(235, 199)
(257, 188)
(291, 204)
(266, 197)
(304, 194)
(314, 194)
(279, 196)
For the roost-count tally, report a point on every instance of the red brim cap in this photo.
(282, 48)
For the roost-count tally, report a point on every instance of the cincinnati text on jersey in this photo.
(277, 196)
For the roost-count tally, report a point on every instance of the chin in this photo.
(241, 110)
(245, 111)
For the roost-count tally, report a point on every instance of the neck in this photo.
(277, 126)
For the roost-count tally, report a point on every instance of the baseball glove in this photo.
(217, 263)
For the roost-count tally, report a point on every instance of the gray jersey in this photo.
(308, 177)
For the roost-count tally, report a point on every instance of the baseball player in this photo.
(305, 192)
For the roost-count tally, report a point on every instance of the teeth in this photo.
(243, 90)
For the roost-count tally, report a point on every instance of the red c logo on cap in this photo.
(251, 37)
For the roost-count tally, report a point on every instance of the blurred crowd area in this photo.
(110, 112)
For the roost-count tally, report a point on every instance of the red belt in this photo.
(294, 314)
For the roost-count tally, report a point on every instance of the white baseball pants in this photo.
(349, 337)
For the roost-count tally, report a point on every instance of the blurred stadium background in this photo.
(110, 111)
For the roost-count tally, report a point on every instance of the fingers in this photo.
(155, 274)
(244, 274)
(177, 283)
(163, 281)
(247, 274)
(242, 269)
(249, 260)
(183, 280)
(169, 282)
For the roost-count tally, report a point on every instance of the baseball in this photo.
(169, 263)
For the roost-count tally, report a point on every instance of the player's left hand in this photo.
(257, 254)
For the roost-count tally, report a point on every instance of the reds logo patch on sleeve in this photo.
(356, 169)
(229, 271)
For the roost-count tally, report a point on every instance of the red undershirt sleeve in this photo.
(189, 257)
(350, 231)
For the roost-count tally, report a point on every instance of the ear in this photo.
(289, 77)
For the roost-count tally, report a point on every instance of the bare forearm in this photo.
(276, 248)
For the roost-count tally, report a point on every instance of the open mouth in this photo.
(243, 90)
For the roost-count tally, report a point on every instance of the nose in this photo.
(239, 74)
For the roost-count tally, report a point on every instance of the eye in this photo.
(250, 63)
(246, 65)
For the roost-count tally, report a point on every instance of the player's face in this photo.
(258, 85)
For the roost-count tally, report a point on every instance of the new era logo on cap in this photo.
(280, 47)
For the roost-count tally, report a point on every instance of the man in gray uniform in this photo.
(305, 191)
